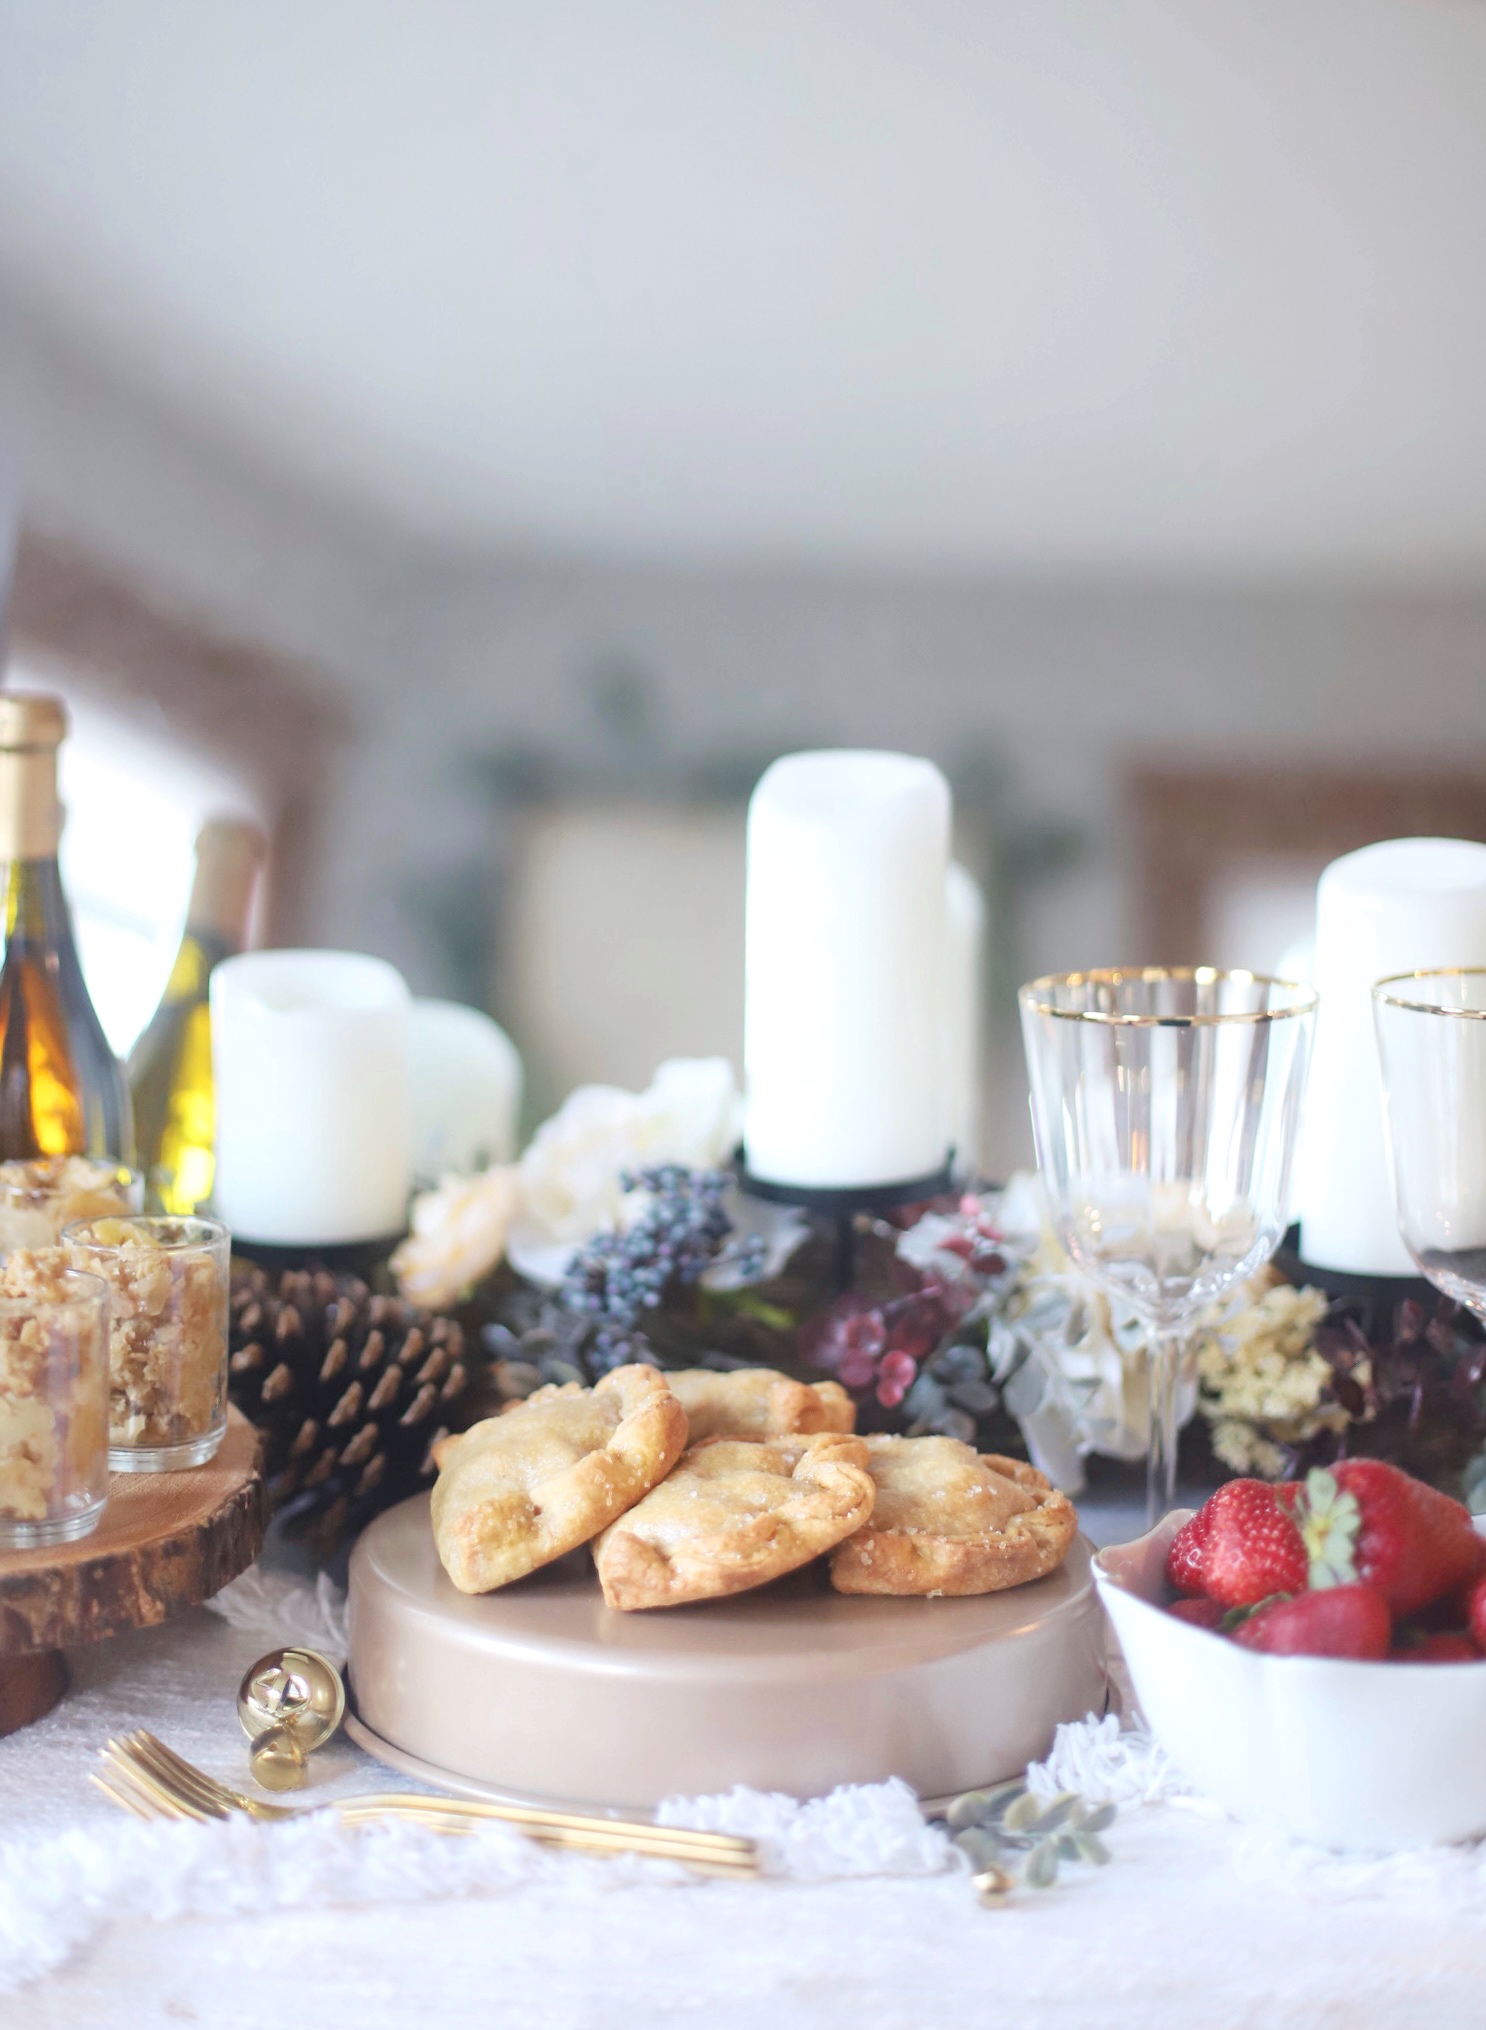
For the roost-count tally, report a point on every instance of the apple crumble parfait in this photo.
(40, 1195)
(53, 1399)
(167, 1281)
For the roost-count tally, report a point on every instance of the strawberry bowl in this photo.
(1362, 1756)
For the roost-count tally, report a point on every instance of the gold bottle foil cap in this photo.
(31, 719)
(33, 725)
(229, 853)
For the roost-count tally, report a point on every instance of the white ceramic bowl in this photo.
(1366, 1756)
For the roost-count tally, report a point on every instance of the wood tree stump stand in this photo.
(165, 1541)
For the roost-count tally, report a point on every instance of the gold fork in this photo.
(145, 1777)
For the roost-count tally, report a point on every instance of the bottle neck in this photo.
(33, 901)
(199, 952)
(30, 814)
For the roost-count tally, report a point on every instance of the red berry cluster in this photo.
(1361, 1561)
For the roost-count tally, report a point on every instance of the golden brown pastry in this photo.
(758, 1402)
(948, 1520)
(735, 1513)
(518, 1491)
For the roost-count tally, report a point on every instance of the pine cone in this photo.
(350, 1391)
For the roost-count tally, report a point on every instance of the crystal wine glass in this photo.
(1165, 1103)
(1432, 1042)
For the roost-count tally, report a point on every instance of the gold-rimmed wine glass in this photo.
(1165, 1104)
(1431, 1029)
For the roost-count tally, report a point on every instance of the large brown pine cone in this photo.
(349, 1390)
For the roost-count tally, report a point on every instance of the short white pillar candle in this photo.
(844, 1005)
(1396, 907)
(314, 1134)
(965, 930)
(467, 1079)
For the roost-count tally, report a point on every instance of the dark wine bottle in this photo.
(62, 1090)
(170, 1067)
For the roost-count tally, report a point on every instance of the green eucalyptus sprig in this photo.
(1009, 1835)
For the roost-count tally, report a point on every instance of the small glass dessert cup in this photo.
(53, 1400)
(42, 1195)
(167, 1280)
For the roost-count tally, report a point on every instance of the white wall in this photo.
(443, 657)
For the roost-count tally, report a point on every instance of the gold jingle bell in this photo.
(277, 1760)
(296, 1692)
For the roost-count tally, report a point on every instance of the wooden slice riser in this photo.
(45, 1609)
(30, 1686)
(166, 1541)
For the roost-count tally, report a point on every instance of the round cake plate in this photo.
(489, 1793)
(542, 1693)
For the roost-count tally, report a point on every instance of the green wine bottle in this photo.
(170, 1067)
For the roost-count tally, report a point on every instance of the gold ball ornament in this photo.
(294, 1691)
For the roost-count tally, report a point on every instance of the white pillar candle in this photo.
(1390, 908)
(965, 925)
(844, 1027)
(466, 1076)
(314, 1138)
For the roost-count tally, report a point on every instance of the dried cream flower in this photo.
(1263, 1383)
(458, 1237)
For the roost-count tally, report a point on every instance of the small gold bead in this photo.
(994, 1886)
(277, 1759)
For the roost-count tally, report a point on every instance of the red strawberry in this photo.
(1370, 1522)
(1475, 1613)
(1253, 1548)
(1448, 1646)
(1201, 1613)
(1188, 1554)
(1348, 1621)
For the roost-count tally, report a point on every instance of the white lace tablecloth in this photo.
(106, 1924)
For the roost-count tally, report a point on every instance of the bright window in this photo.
(135, 799)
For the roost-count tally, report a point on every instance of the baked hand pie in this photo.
(517, 1491)
(735, 1513)
(758, 1402)
(948, 1520)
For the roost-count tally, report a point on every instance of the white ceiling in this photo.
(1040, 282)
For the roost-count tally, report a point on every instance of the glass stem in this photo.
(1164, 1360)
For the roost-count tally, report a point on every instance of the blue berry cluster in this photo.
(682, 1231)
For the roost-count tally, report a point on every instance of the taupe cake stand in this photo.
(541, 1691)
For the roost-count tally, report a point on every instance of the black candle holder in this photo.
(366, 1260)
(841, 1204)
(1377, 1298)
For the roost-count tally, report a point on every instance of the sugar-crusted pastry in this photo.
(517, 1491)
(758, 1402)
(948, 1520)
(735, 1513)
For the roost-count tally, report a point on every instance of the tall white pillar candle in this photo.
(314, 1124)
(844, 1026)
(1390, 908)
(965, 925)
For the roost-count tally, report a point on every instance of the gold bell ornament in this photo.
(289, 1702)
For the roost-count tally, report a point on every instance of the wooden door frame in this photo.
(1188, 825)
(275, 721)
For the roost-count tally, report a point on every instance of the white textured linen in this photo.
(1198, 1925)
